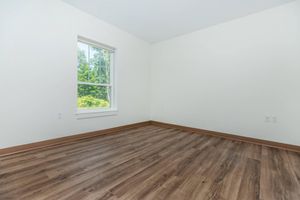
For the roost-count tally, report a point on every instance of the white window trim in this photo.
(86, 114)
(113, 110)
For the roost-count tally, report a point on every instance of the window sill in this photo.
(85, 114)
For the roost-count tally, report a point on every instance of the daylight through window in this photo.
(95, 76)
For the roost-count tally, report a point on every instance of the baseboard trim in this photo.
(267, 143)
(74, 138)
(68, 139)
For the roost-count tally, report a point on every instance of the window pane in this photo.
(100, 63)
(93, 97)
(83, 71)
(93, 64)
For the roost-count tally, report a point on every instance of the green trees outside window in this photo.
(93, 75)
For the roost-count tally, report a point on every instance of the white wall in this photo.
(38, 71)
(225, 78)
(229, 77)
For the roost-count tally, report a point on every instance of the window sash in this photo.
(91, 43)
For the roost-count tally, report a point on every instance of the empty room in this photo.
(150, 100)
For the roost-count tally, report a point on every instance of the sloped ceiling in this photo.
(158, 20)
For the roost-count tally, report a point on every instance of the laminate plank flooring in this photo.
(151, 163)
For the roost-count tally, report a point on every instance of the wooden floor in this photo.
(152, 163)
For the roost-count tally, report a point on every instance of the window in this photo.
(95, 88)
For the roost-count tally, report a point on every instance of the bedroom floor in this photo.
(151, 163)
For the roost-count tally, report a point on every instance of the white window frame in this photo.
(112, 110)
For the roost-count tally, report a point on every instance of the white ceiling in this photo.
(157, 20)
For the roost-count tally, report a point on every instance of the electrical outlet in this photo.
(271, 119)
(59, 115)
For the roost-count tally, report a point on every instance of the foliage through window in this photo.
(94, 76)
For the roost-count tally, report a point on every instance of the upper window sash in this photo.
(111, 50)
